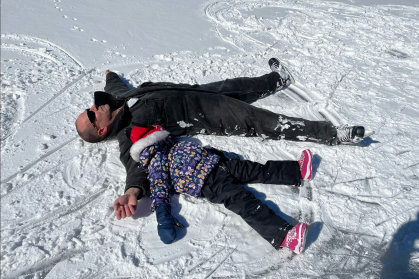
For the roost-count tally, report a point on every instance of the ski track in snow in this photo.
(353, 64)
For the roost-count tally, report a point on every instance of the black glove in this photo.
(166, 223)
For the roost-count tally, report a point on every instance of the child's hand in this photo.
(166, 223)
(126, 205)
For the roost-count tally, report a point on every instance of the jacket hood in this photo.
(122, 120)
(102, 98)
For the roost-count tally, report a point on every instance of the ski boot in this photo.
(351, 134)
(295, 239)
(286, 79)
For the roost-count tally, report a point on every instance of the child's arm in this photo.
(166, 223)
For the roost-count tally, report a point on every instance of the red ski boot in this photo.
(296, 238)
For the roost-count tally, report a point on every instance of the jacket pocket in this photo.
(146, 113)
(174, 111)
(153, 112)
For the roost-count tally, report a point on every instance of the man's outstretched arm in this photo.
(136, 180)
(114, 84)
(126, 205)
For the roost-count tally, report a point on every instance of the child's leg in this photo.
(273, 172)
(221, 187)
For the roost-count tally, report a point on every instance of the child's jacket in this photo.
(182, 165)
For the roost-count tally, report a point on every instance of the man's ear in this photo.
(102, 131)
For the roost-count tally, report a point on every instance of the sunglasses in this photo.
(92, 117)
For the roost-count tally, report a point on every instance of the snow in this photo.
(354, 62)
(183, 124)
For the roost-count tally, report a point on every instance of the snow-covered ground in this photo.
(355, 61)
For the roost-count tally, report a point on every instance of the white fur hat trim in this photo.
(139, 145)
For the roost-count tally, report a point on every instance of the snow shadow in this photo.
(313, 233)
(315, 165)
(176, 207)
(125, 81)
(143, 208)
(397, 260)
(366, 142)
(262, 197)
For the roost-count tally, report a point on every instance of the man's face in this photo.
(103, 118)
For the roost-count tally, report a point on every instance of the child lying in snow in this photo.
(201, 171)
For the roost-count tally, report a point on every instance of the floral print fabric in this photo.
(183, 166)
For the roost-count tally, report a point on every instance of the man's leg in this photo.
(221, 187)
(244, 88)
(275, 126)
(221, 115)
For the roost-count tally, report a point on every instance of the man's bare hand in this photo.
(126, 205)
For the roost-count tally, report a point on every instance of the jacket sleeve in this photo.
(115, 86)
(136, 176)
(121, 91)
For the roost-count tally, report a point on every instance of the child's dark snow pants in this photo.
(223, 186)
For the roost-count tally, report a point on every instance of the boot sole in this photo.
(288, 72)
(285, 69)
(301, 240)
(308, 167)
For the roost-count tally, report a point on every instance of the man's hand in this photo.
(126, 205)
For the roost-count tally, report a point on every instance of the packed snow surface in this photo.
(354, 61)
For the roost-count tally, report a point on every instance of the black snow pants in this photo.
(223, 186)
(222, 108)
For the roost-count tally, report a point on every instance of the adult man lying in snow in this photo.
(219, 108)
(199, 171)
